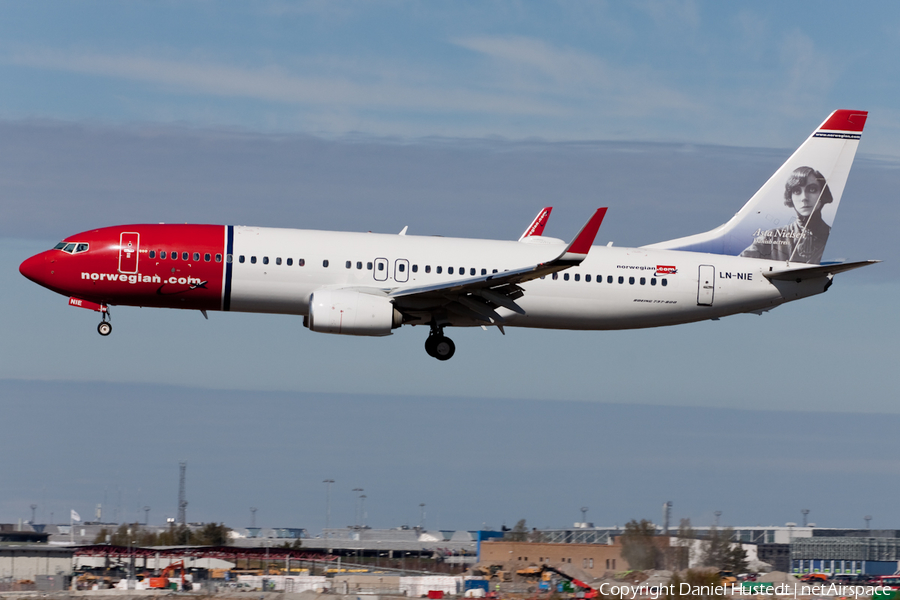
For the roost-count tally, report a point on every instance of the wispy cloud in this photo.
(277, 84)
(538, 67)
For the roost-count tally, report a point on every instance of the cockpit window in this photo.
(71, 247)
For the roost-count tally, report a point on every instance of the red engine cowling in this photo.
(349, 312)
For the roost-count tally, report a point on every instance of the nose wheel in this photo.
(438, 345)
(105, 327)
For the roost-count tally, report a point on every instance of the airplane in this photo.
(369, 284)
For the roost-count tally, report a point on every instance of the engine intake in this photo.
(349, 312)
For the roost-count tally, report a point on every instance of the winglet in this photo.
(578, 249)
(537, 226)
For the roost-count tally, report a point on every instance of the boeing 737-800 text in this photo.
(369, 284)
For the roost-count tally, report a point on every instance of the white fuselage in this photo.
(613, 288)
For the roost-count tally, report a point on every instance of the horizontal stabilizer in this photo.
(815, 272)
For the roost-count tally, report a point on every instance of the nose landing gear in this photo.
(438, 345)
(105, 327)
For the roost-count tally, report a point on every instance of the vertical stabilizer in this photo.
(790, 217)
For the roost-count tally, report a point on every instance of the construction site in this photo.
(583, 561)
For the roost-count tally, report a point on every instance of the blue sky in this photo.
(455, 119)
(730, 73)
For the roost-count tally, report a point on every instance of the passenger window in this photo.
(348, 265)
(162, 253)
(173, 255)
(462, 270)
(555, 276)
(207, 257)
(278, 260)
(381, 266)
(495, 270)
(415, 268)
(664, 283)
(484, 271)
(359, 265)
(401, 267)
(631, 281)
(439, 269)
(325, 263)
(428, 268)
(219, 258)
(577, 276)
(184, 255)
(252, 260)
(368, 266)
(621, 279)
(587, 278)
(229, 258)
(472, 271)
(265, 260)
(450, 270)
(609, 279)
(643, 280)
(653, 281)
(566, 276)
(301, 262)
(241, 258)
(152, 254)
(290, 262)
(196, 256)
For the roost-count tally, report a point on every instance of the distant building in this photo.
(594, 559)
(18, 534)
(48, 566)
(850, 555)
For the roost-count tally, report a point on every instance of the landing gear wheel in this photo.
(430, 343)
(444, 348)
(104, 328)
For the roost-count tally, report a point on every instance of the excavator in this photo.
(546, 571)
(162, 582)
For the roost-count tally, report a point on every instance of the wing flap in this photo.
(478, 298)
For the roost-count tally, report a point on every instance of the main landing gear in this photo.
(105, 327)
(438, 345)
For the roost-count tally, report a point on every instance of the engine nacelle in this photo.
(349, 312)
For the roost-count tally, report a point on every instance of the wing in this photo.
(478, 298)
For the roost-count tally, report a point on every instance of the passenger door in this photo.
(401, 270)
(381, 269)
(706, 285)
(129, 244)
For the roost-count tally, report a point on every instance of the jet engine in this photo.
(349, 312)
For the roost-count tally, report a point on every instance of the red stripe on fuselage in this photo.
(192, 283)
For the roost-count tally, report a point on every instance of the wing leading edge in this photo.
(478, 298)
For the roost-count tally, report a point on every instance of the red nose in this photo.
(36, 268)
